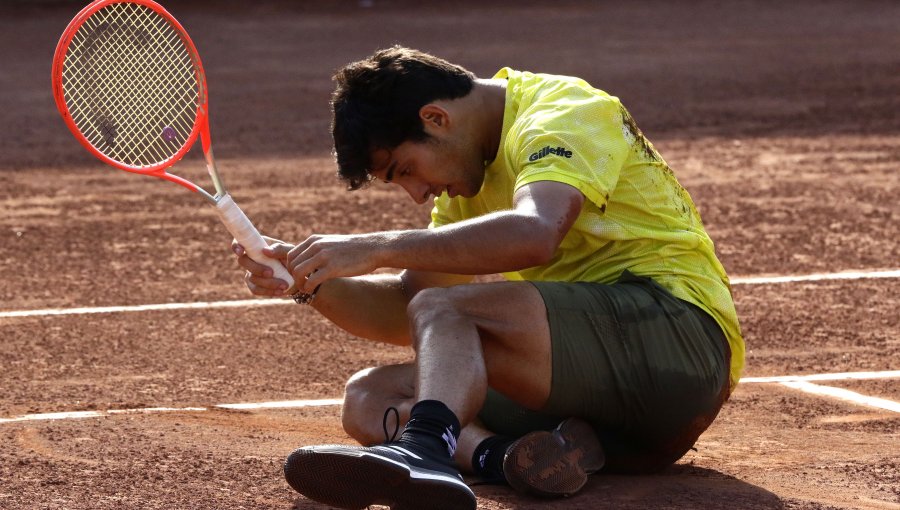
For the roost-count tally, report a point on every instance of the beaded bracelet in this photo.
(303, 298)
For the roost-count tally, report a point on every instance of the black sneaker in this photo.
(393, 474)
(556, 463)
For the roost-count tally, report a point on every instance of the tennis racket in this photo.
(128, 82)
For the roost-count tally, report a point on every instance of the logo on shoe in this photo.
(450, 439)
(546, 151)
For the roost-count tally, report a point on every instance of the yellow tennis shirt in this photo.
(636, 216)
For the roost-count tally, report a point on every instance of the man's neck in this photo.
(489, 98)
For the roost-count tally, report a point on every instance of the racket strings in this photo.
(130, 85)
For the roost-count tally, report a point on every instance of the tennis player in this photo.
(610, 345)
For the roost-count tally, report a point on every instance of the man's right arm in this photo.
(370, 306)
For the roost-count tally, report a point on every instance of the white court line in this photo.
(846, 395)
(248, 303)
(243, 303)
(285, 404)
(799, 382)
(74, 415)
(844, 275)
(840, 376)
(97, 414)
(792, 381)
(802, 383)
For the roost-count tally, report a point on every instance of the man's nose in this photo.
(418, 191)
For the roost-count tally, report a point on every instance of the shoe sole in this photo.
(355, 480)
(556, 463)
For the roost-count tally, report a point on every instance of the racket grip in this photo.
(247, 235)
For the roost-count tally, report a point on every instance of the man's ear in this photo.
(434, 117)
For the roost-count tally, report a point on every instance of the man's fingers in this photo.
(304, 271)
(254, 267)
(263, 286)
(314, 280)
(259, 277)
(305, 285)
(277, 250)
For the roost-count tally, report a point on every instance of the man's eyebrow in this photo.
(390, 173)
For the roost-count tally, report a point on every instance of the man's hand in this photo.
(509, 240)
(322, 257)
(259, 277)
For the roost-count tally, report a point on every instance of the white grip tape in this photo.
(247, 235)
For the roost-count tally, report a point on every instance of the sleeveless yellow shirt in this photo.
(636, 215)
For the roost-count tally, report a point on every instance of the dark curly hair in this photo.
(377, 100)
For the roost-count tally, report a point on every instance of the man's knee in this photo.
(434, 303)
(357, 393)
(369, 393)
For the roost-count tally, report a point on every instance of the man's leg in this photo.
(611, 340)
(465, 337)
(572, 447)
(371, 392)
(470, 335)
(508, 321)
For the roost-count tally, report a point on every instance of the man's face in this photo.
(431, 167)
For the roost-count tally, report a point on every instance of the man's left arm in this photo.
(525, 236)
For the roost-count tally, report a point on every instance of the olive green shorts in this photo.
(649, 371)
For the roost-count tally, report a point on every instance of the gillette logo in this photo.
(546, 151)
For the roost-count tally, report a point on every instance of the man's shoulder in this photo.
(547, 110)
(539, 85)
(537, 100)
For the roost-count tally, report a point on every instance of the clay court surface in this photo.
(780, 118)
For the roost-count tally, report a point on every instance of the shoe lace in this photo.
(384, 424)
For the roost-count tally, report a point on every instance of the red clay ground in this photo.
(780, 119)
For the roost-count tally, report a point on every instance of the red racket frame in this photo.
(231, 215)
(201, 121)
